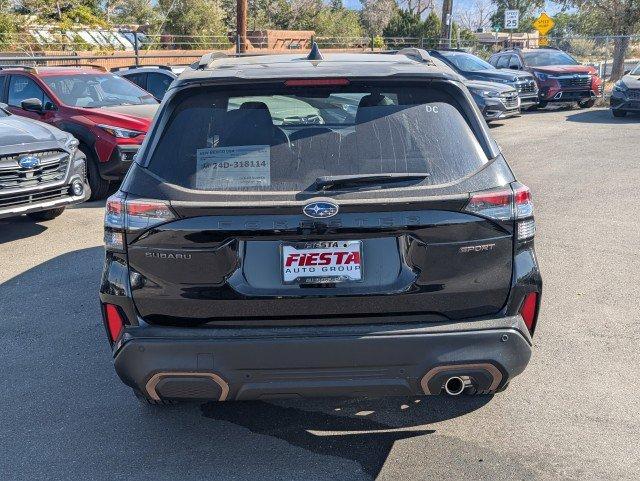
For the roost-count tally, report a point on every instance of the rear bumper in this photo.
(372, 360)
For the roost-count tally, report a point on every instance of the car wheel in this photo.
(587, 104)
(46, 214)
(619, 113)
(99, 186)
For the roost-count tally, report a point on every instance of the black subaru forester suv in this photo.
(319, 226)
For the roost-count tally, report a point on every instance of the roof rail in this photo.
(207, 58)
(510, 49)
(131, 67)
(28, 68)
(89, 65)
(419, 54)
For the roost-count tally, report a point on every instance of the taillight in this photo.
(495, 204)
(506, 204)
(529, 310)
(115, 324)
(124, 214)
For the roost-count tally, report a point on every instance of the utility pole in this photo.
(241, 21)
(447, 22)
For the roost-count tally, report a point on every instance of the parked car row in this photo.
(109, 113)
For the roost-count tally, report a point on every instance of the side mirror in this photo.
(514, 67)
(32, 105)
(627, 72)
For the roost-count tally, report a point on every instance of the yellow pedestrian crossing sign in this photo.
(544, 24)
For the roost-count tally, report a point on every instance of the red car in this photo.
(106, 113)
(560, 77)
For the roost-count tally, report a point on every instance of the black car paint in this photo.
(199, 311)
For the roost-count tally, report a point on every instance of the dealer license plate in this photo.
(322, 262)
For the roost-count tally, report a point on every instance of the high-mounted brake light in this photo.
(115, 324)
(506, 204)
(529, 310)
(130, 214)
(321, 82)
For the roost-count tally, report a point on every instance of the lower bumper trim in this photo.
(399, 361)
(152, 384)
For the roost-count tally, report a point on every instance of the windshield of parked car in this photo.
(542, 58)
(286, 139)
(636, 71)
(97, 90)
(467, 62)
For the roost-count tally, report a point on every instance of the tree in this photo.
(193, 18)
(8, 23)
(376, 14)
(407, 24)
(476, 17)
(416, 7)
(54, 9)
(139, 12)
(620, 18)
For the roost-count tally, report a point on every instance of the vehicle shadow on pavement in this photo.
(59, 384)
(19, 228)
(350, 430)
(601, 116)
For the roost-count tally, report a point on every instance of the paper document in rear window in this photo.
(233, 167)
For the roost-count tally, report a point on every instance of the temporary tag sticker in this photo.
(244, 166)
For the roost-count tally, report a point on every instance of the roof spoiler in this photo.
(86, 65)
(206, 59)
(419, 54)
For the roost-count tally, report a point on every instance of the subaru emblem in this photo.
(320, 210)
(29, 162)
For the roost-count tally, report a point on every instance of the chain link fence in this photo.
(114, 48)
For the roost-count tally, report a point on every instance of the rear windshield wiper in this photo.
(323, 183)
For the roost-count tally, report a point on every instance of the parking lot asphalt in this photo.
(573, 414)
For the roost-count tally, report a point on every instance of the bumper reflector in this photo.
(114, 321)
(528, 311)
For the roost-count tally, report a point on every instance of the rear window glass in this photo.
(541, 58)
(286, 139)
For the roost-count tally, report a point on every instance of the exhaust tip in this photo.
(454, 386)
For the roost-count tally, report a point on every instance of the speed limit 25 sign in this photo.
(511, 19)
